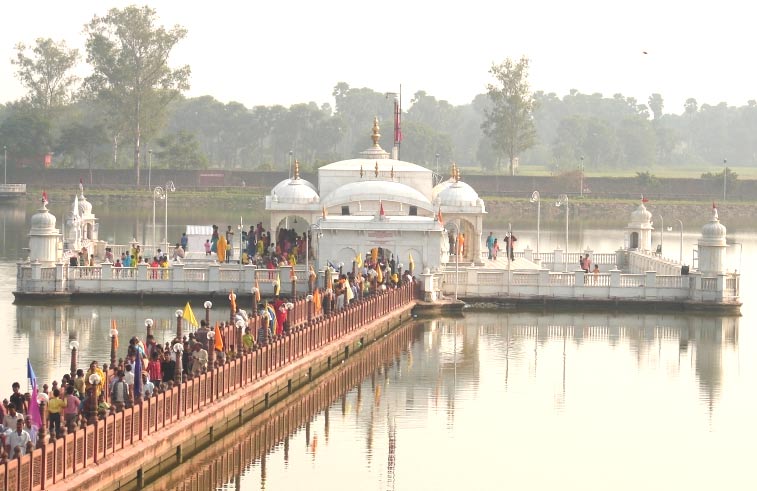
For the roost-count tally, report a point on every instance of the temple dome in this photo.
(714, 230)
(459, 194)
(43, 221)
(295, 191)
(641, 215)
(376, 190)
(85, 207)
(441, 187)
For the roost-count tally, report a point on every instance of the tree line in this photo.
(131, 112)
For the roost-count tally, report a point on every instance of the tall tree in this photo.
(46, 74)
(655, 105)
(510, 122)
(129, 54)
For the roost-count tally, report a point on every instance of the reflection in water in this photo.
(568, 388)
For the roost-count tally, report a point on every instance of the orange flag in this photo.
(114, 326)
(218, 339)
(233, 300)
(257, 291)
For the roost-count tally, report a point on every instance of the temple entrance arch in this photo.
(634, 240)
(289, 237)
(468, 240)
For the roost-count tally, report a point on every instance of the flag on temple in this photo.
(189, 315)
(233, 300)
(218, 339)
(277, 284)
(44, 198)
(439, 216)
(114, 328)
(643, 199)
(381, 209)
(137, 377)
(713, 205)
(411, 263)
(359, 260)
(33, 404)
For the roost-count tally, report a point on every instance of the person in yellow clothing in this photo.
(221, 249)
(54, 413)
(94, 369)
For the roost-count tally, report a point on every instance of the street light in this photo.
(563, 200)
(5, 160)
(457, 256)
(582, 176)
(312, 226)
(74, 346)
(535, 198)
(179, 314)
(157, 193)
(208, 305)
(148, 326)
(725, 174)
(662, 229)
(680, 245)
(149, 174)
(113, 341)
(169, 187)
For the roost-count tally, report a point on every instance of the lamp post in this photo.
(317, 227)
(169, 187)
(211, 350)
(149, 174)
(208, 305)
(563, 200)
(536, 198)
(725, 175)
(309, 300)
(662, 230)
(148, 326)
(457, 256)
(179, 314)
(582, 176)
(157, 194)
(291, 153)
(5, 163)
(74, 345)
(113, 341)
(178, 349)
(680, 244)
(437, 166)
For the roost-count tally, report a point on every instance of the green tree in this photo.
(180, 151)
(26, 134)
(129, 54)
(510, 122)
(46, 74)
(655, 105)
(82, 141)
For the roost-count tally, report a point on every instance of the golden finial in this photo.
(296, 169)
(376, 136)
(459, 176)
(361, 171)
(375, 170)
(453, 172)
(392, 173)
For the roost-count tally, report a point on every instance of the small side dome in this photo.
(459, 194)
(441, 187)
(714, 230)
(85, 207)
(641, 215)
(296, 191)
(43, 221)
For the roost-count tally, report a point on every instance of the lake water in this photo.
(487, 401)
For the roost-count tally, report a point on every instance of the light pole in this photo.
(291, 152)
(148, 326)
(457, 256)
(536, 198)
(680, 245)
(149, 174)
(5, 161)
(317, 227)
(169, 187)
(725, 175)
(662, 230)
(563, 200)
(74, 346)
(437, 166)
(179, 314)
(208, 305)
(582, 176)
(157, 193)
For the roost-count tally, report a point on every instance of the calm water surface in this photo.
(486, 401)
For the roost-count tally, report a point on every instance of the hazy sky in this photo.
(285, 52)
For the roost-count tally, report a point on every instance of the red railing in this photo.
(54, 461)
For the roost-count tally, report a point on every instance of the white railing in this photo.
(709, 284)
(672, 281)
(632, 280)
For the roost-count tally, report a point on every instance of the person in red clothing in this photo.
(154, 368)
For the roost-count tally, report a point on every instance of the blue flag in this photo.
(138, 377)
(30, 372)
(34, 412)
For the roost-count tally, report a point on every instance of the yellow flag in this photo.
(380, 277)
(189, 315)
(277, 284)
(359, 260)
(411, 263)
(257, 291)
